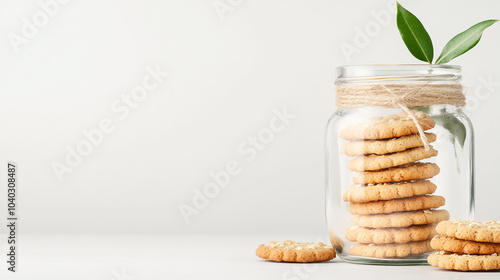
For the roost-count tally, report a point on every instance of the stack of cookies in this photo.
(395, 211)
(466, 245)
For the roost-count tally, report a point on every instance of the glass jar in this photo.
(385, 191)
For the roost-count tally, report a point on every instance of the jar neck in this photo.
(398, 86)
(398, 73)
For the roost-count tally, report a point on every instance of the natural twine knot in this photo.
(401, 96)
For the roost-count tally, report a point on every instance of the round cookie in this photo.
(390, 235)
(407, 172)
(389, 126)
(391, 250)
(488, 231)
(290, 251)
(397, 205)
(378, 162)
(443, 243)
(464, 262)
(387, 191)
(385, 146)
(401, 219)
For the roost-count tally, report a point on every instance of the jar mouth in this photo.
(397, 73)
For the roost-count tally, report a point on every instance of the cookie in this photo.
(385, 146)
(443, 243)
(384, 127)
(387, 191)
(290, 251)
(377, 162)
(401, 219)
(391, 250)
(488, 231)
(390, 235)
(397, 205)
(464, 262)
(407, 172)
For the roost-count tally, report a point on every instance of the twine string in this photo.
(411, 95)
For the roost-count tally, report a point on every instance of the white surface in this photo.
(226, 77)
(178, 257)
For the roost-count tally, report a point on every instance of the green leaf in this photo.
(463, 42)
(414, 35)
(453, 125)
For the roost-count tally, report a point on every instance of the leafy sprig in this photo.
(419, 43)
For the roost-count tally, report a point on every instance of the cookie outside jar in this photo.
(399, 159)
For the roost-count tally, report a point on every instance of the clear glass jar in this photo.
(381, 221)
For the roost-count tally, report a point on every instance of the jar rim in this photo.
(389, 73)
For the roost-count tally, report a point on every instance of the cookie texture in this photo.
(387, 191)
(407, 172)
(290, 251)
(401, 219)
(390, 235)
(397, 205)
(488, 231)
(449, 244)
(385, 146)
(377, 162)
(464, 262)
(384, 127)
(391, 250)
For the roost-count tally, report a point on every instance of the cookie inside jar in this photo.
(391, 195)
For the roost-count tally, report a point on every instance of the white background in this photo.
(227, 73)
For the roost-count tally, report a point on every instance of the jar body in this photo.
(391, 219)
